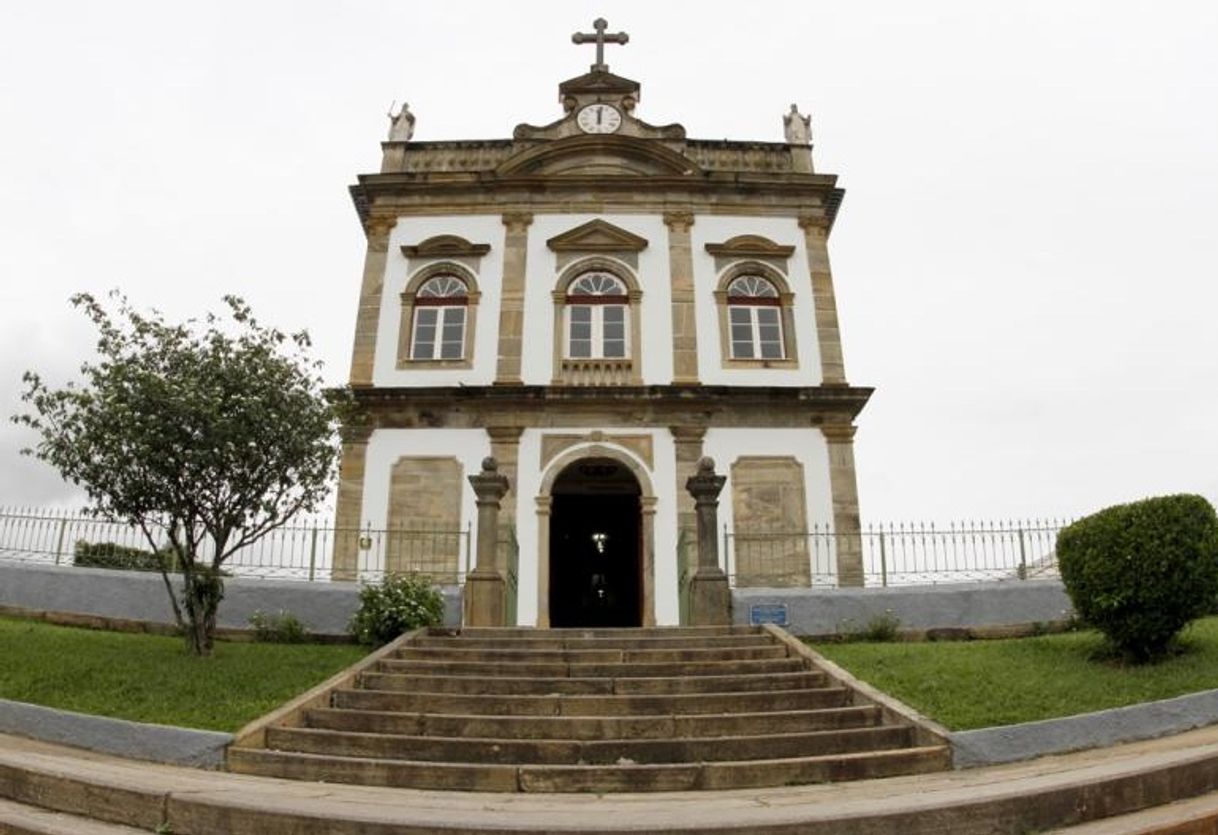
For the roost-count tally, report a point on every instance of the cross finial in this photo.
(600, 38)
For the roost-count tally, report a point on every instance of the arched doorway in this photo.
(596, 546)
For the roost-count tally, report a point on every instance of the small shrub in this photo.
(283, 627)
(122, 557)
(881, 628)
(397, 604)
(1141, 572)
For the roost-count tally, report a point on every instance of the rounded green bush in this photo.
(1141, 572)
(399, 603)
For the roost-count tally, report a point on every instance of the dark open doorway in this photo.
(595, 546)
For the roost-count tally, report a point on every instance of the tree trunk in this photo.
(202, 591)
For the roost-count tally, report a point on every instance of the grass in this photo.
(977, 684)
(150, 678)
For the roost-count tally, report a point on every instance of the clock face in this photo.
(599, 118)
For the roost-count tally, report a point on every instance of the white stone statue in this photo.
(797, 127)
(401, 126)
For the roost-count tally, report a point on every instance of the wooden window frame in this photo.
(597, 370)
(785, 302)
(411, 302)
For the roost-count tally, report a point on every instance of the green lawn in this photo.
(149, 678)
(976, 684)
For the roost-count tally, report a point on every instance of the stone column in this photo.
(828, 336)
(344, 560)
(511, 302)
(544, 506)
(482, 600)
(684, 327)
(377, 230)
(688, 442)
(505, 448)
(844, 486)
(647, 515)
(710, 598)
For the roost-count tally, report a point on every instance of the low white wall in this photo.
(324, 607)
(829, 611)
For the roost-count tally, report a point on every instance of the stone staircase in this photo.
(597, 710)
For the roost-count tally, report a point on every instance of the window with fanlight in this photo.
(755, 318)
(597, 324)
(440, 308)
(439, 312)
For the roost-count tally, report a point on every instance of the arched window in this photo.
(754, 310)
(439, 319)
(597, 326)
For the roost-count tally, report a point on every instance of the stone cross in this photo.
(601, 39)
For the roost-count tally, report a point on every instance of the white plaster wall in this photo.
(478, 229)
(663, 481)
(785, 231)
(807, 446)
(386, 446)
(654, 280)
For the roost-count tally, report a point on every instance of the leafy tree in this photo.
(209, 434)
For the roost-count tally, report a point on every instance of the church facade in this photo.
(598, 303)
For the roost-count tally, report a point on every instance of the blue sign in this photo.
(775, 613)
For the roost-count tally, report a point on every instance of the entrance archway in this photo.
(596, 515)
(596, 546)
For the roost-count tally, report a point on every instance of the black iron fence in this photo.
(891, 554)
(894, 554)
(303, 550)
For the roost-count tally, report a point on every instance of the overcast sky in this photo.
(1026, 260)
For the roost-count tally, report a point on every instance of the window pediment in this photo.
(446, 246)
(597, 236)
(750, 246)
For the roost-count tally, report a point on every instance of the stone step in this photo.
(613, 670)
(1195, 816)
(408, 683)
(592, 727)
(599, 779)
(773, 701)
(19, 819)
(1082, 789)
(599, 632)
(558, 642)
(586, 752)
(603, 656)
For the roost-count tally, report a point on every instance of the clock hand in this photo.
(599, 112)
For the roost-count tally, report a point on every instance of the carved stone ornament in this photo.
(445, 246)
(705, 485)
(401, 124)
(750, 246)
(597, 236)
(678, 220)
(380, 225)
(796, 127)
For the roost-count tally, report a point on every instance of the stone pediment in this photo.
(749, 246)
(599, 156)
(598, 83)
(445, 246)
(597, 236)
